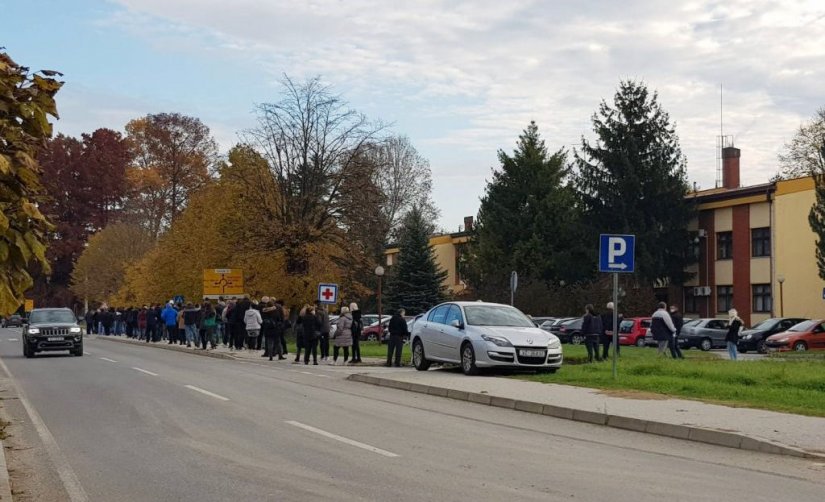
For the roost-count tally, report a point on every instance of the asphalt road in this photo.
(136, 423)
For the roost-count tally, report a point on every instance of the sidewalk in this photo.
(744, 428)
(221, 352)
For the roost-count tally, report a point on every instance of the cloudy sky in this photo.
(460, 78)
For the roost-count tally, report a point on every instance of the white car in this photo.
(483, 335)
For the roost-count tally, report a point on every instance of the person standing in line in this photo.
(732, 337)
(151, 323)
(273, 329)
(398, 330)
(592, 332)
(607, 331)
(170, 321)
(268, 326)
(228, 327)
(282, 324)
(252, 321)
(208, 316)
(678, 322)
(238, 320)
(312, 331)
(357, 328)
(299, 334)
(219, 308)
(141, 322)
(89, 318)
(661, 325)
(259, 306)
(191, 323)
(343, 335)
(107, 319)
(323, 319)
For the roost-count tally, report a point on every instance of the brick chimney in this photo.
(730, 167)
(468, 223)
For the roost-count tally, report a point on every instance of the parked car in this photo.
(375, 332)
(13, 321)
(538, 321)
(570, 331)
(554, 325)
(52, 330)
(632, 331)
(483, 335)
(807, 335)
(754, 338)
(705, 334)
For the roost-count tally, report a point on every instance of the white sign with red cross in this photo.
(328, 293)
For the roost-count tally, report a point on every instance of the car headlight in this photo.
(554, 344)
(501, 342)
(34, 331)
(74, 330)
(747, 337)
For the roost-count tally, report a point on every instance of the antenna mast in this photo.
(722, 141)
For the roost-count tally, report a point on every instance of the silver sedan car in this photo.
(482, 335)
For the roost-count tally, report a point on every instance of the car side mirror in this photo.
(457, 324)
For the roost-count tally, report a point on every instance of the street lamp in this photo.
(379, 271)
(781, 279)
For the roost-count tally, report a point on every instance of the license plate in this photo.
(531, 353)
(55, 338)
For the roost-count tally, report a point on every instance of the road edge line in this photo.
(70, 481)
(684, 432)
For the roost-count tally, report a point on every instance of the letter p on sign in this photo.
(617, 253)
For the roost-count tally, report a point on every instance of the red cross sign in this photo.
(328, 293)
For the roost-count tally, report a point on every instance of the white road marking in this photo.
(64, 470)
(107, 359)
(342, 439)
(206, 392)
(144, 371)
(12, 339)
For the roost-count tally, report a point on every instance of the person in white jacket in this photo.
(252, 319)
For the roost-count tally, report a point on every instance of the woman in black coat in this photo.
(312, 330)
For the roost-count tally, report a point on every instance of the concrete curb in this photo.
(5, 482)
(686, 432)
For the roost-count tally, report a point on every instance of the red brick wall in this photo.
(742, 262)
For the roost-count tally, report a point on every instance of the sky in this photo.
(461, 79)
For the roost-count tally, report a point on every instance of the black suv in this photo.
(50, 330)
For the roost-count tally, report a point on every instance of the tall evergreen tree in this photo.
(633, 180)
(417, 282)
(816, 217)
(528, 220)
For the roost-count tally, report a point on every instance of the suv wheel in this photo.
(78, 351)
(419, 361)
(27, 351)
(640, 342)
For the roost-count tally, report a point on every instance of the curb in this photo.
(5, 482)
(686, 432)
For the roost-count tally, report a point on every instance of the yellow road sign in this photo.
(223, 281)
(29, 306)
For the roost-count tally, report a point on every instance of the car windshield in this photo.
(766, 324)
(489, 315)
(626, 326)
(804, 326)
(51, 316)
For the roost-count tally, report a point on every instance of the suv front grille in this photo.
(54, 331)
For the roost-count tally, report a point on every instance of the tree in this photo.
(26, 101)
(173, 157)
(633, 180)
(528, 220)
(816, 218)
(803, 156)
(313, 143)
(100, 270)
(85, 188)
(417, 282)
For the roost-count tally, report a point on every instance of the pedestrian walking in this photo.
(398, 330)
(252, 322)
(323, 319)
(342, 339)
(357, 328)
(662, 328)
(592, 331)
(678, 322)
(312, 331)
(732, 336)
(607, 331)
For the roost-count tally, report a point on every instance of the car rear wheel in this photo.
(640, 342)
(577, 339)
(420, 362)
(761, 347)
(468, 360)
(706, 344)
(800, 346)
(372, 337)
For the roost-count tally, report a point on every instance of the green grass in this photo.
(790, 385)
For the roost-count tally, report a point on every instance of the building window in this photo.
(724, 245)
(691, 301)
(762, 299)
(724, 299)
(760, 242)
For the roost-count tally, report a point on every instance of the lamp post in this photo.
(379, 271)
(781, 279)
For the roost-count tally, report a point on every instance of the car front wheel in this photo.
(800, 346)
(27, 351)
(706, 344)
(372, 337)
(468, 360)
(640, 342)
(761, 347)
(420, 362)
(577, 339)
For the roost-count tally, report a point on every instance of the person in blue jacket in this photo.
(170, 319)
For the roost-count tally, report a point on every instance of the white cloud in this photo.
(485, 68)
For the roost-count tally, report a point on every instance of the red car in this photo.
(632, 331)
(807, 335)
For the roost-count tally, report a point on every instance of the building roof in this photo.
(720, 194)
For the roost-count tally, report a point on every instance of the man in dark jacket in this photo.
(607, 331)
(152, 320)
(592, 330)
(678, 322)
(662, 328)
(398, 330)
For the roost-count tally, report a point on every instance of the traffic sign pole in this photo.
(615, 325)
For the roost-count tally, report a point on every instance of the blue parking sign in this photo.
(617, 253)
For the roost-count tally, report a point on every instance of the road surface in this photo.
(133, 423)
